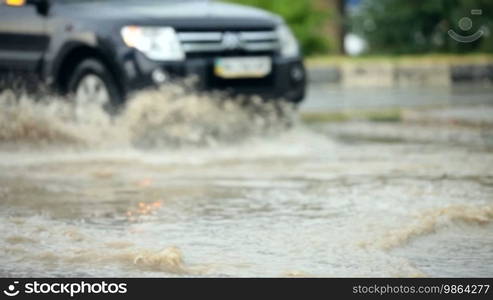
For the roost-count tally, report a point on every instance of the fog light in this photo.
(297, 73)
(159, 76)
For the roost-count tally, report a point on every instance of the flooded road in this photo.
(337, 98)
(239, 192)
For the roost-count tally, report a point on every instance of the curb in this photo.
(392, 74)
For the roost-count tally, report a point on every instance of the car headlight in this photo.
(289, 44)
(157, 43)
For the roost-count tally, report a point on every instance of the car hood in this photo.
(180, 14)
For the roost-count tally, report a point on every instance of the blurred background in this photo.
(385, 56)
(377, 27)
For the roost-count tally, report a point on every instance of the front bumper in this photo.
(286, 81)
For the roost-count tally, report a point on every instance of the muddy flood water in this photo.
(184, 185)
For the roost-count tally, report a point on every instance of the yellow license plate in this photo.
(243, 67)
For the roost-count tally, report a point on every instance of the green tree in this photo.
(421, 26)
(305, 19)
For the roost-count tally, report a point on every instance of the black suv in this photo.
(103, 50)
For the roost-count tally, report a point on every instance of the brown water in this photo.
(188, 185)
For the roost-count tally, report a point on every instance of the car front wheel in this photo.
(91, 84)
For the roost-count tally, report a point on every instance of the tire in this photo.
(91, 82)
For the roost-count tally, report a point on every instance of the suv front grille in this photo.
(229, 41)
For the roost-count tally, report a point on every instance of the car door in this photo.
(23, 38)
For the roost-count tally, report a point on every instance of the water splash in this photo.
(169, 260)
(432, 221)
(171, 116)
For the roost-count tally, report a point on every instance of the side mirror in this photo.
(41, 5)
